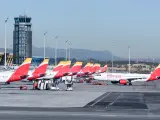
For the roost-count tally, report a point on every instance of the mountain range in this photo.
(79, 54)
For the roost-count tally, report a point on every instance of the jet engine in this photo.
(123, 82)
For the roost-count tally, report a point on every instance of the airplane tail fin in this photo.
(155, 75)
(86, 68)
(22, 71)
(41, 69)
(24, 67)
(93, 68)
(76, 67)
(104, 69)
(59, 66)
(98, 67)
(66, 67)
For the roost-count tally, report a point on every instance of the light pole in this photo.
(66, 48)
(112, 58)
(129, 54)
(55, 59)
(44, 43)
(5, 22)
(69, 54)
(112, 62)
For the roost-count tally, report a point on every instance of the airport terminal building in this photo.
(22, 39)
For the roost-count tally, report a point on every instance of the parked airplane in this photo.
(68, 79)
(85, 70)
(128, 78)
(104, 69)
(75, 69)
(63, 71)
(54, 73)
(20, 73)
(49, 81)
(95, 68)
(40, 71)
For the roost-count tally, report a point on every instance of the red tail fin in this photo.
(86, 68)
(98, 67)
(155, 75)
(104, 69)
(22, 71)
(76, 67)
(66, 67)
(59, 66)
(64, 70)
(41, 69)
(93, 68)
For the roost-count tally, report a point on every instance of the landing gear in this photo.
(7, 83)
(130, 83)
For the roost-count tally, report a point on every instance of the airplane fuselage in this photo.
(119, 76)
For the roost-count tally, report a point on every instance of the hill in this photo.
(79, 54)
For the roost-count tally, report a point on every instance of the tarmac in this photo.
(139, 101)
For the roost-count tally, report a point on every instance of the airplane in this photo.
(85, 70)
(59, 66)
(95, 68)
(73, 71)
(88, 70)
(52, 77)
(128, 78)
(53, 73)
(63, 71)
(71, 75)
(39, 72)
(20, 73)
(98, 67)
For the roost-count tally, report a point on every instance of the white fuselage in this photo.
(119, 76)
(4, 76)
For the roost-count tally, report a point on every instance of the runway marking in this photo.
(114, 101)
(101, 99)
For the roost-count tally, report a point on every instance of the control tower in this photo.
(22, 39)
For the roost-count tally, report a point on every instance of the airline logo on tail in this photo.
(63, 70)
(40, 70)
(21, 72)
(155, 75)
(66, 67)
(59, 66)
(86, 69)
(98, 67)
(75, 68)
(95, 68)
(104, 69)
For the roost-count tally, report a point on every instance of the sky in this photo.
(101, 25)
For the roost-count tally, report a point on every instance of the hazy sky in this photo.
(90, 24)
